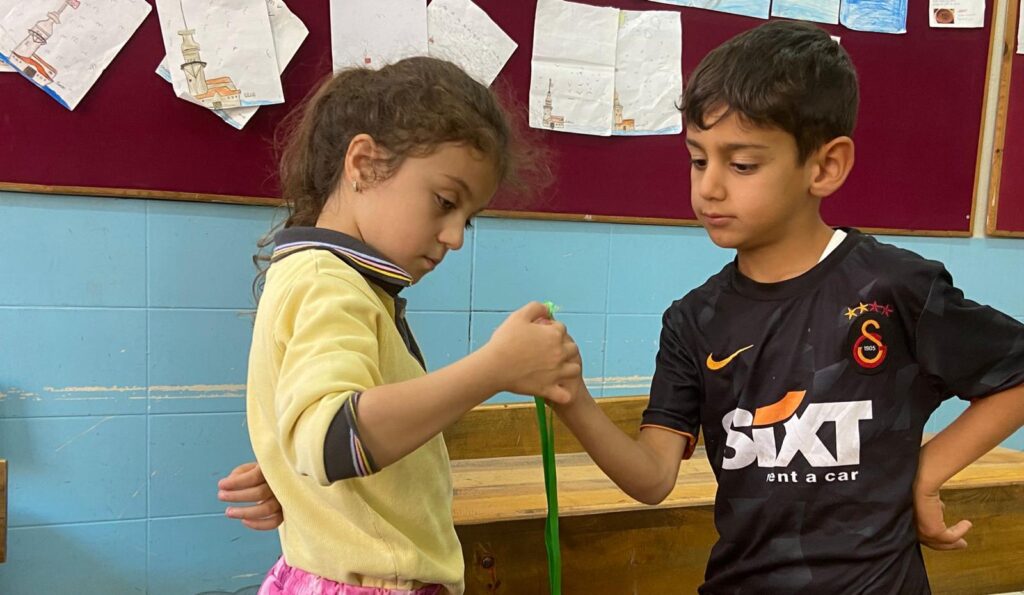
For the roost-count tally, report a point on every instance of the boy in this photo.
(812, 362)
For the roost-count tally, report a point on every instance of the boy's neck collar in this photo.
(801, 283)
(787, 257)
(360, 256)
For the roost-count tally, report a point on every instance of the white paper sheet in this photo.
(221, 53)
(63, 46)
(572, 86)
(289, 32)
(956, 14)
(749, 8)
(648, 73)
(461, 32)
(373, 33)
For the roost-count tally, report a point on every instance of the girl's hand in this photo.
(576, 387)
(246, 483)
(532, 355)
(931, 527)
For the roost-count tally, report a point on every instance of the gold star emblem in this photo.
(850, 313)
(862, 308)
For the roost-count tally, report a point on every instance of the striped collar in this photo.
(360, 256)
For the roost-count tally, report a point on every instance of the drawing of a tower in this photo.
(621, 124)
(549, 120)
(193, 66)
(217, 93)
(24, 56)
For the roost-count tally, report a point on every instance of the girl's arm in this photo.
(528, 354)
(985, 424)
(246, 484)
(523, 356)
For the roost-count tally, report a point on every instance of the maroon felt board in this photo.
(1006, 189)
(917, 135)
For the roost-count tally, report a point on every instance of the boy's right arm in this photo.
(646, 469)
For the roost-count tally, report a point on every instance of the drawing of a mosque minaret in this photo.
(215, 93)
(193, 66)
(24, 54)
(550, 120)
(621, 124)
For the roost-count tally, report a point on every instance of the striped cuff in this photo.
(344, 454)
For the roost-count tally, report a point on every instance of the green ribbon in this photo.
(546, 425)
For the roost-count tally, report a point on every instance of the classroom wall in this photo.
(124, 331)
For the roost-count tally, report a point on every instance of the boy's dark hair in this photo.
(783, 74)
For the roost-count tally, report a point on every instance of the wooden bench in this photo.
(615, 545)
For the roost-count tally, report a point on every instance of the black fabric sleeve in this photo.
(968, 349)
(676, 387)
(344, 454)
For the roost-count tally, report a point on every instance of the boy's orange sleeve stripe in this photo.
(691, 440)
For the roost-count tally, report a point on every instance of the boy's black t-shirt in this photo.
(812, 395)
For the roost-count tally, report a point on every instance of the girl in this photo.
(382, 175)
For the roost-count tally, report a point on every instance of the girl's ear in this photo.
(360, 158)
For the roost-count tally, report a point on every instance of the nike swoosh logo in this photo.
(718, 365)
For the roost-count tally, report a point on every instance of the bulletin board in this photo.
(917, 135)
(1006, 187)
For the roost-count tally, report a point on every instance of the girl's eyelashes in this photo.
(448, 206)
(444, 203)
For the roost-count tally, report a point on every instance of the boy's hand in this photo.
(530, 354)
(931, 527)
(246, 483)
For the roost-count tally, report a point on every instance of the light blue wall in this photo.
(123, 339)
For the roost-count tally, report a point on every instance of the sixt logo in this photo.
(801, 433)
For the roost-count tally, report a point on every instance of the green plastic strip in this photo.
(545, 423)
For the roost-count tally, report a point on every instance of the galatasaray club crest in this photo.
(866, 343)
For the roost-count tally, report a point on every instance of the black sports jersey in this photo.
(812, 395)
